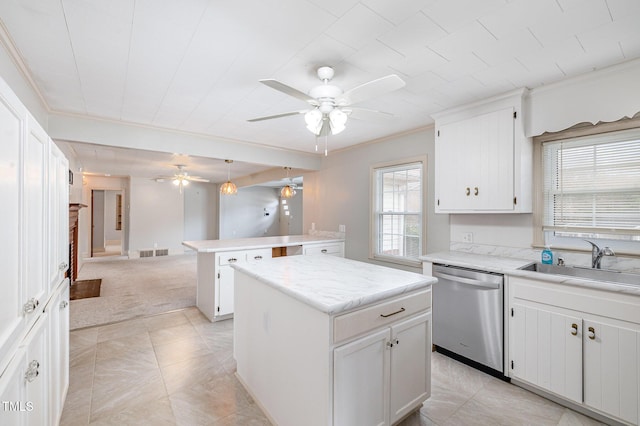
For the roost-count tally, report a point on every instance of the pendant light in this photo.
(288, 191)
(228, 188)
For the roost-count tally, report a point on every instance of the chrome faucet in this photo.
(597, 253)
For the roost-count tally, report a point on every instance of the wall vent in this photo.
(162, 252)
(146, 253)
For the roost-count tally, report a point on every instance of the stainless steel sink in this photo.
(586, 273)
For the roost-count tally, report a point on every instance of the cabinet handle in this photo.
(592, 333)
(475, 191)
(232, 260)
(64, 304)
(32, 372)
(257, 257)
(468, 191)
(323, 251)
(392, 313)
(30, 306)
(574, 329)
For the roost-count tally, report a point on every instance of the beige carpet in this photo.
(134, 288)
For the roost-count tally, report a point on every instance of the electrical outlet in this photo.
(467, 237)
(342, 228)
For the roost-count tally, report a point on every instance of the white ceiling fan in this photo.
(181, 178)
(330, 106)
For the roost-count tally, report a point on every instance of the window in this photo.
(591, 190)
(397, 212)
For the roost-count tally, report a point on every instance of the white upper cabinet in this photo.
(12, 127)
(483, 161)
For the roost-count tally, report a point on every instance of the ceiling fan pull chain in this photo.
(325, 145)
(316, 143)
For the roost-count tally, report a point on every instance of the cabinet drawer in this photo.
(259, 254)
(332, 249)
(228, 257)
(358, 322)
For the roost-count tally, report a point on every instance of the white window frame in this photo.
(545, 234)
(375, 214)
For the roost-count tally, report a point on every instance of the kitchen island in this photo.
(215, 292)
(322, 340)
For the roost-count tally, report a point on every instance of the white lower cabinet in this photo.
(23, 385)
(578, 343)
(224, 287)
(395, 365)
(59, 351)
(333, 249)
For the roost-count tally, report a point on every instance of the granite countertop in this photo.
(333, 284)
(511, 266)
(211, 246)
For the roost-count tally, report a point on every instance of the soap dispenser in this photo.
(547, 256)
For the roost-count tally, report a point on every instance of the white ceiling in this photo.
(194, 65)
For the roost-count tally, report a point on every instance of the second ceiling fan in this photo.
(330, 106)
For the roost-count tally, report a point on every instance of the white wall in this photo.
(338, 194)
(200, 211)
(243, 215)
(156, 216)
(292, 224)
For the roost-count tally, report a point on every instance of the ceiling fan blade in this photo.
(371, 90)
(269, 117)
(281, 87)
(366, 114)
(197, 179)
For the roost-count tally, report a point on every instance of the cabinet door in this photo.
(23, 385)
(36, 153)
(611, 358)
(474, 169)
(59, 351)
(410, 378)
(450, 181)
(13, 402)
(58, 219)
(361, 381)
(224, 294)
(12, 123)
(545, 349)
(492, 186)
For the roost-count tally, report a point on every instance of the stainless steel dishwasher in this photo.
(468, 316)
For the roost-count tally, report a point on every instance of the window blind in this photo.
(592, 185)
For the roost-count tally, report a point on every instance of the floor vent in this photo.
(146, 253)
(162, 252)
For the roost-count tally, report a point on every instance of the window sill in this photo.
(404, 262)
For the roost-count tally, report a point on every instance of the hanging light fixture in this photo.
(289, 190)
(180, 182)
(228, 188)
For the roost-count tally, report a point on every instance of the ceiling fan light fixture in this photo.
(338, 121)
(176, 182)
(313, 119)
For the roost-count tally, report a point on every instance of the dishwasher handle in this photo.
(469, 281)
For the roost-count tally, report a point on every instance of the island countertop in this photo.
(334, 285)
(211, 246)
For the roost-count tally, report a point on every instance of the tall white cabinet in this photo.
(34, 323)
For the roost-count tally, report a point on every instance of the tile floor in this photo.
(177, 368)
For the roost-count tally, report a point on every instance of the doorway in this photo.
(106, 223)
